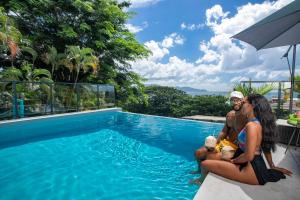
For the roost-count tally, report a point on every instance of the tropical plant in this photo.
(80, 59)
(169, 101)
(246, 89)
(33, 54)
(30, 74)
(53, 25)
(297, 84)
(10, 36)
(53, 58)
(130, 90)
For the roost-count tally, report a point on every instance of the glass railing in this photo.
(280, 96)
(26, 99)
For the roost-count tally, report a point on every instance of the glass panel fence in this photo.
(278, 94)
(26, 99)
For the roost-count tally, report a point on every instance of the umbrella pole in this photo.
(292, 79)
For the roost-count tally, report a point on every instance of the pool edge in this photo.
(58, 115)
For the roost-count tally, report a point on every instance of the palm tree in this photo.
(78, 59)
(246, 89)
(53, 58)
(31, 52)
(35, 75)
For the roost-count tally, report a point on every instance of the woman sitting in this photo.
(247, 165)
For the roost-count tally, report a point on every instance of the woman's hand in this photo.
(227, 159)
(283, 170)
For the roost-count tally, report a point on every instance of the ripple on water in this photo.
(99, 165)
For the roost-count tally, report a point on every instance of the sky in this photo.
(191, 43)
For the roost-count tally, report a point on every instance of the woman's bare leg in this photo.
(230, 171)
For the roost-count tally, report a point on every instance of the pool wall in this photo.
(13, 132)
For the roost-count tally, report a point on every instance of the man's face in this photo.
(236, 103)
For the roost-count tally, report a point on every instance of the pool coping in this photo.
(58, 115)
(175, 118)
(217, 187)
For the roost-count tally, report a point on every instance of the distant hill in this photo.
(191, 90)
(198, 92)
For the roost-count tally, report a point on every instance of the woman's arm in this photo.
(269, 159)
(252, 130)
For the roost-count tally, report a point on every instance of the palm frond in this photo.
(41, 72)
(31, 51)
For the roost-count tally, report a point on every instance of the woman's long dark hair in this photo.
(263, 112)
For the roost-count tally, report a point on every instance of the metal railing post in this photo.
(114, 95)
(15, 100)
(77, 98)
(98, 102)
(250, 85)
(292, 80)
(51, 97)
(278, 101)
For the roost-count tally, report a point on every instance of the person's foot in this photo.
(194, 172)
(197, 181)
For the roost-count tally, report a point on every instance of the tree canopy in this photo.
(76, 40)
(169, 101)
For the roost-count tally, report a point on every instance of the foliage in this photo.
(297, 84)
(79, 60)
(169, 101)
(130, 91)
(246, 89)
(99, 25)
(72, 39)
(10, 36)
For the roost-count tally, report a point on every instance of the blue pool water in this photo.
(109, 155)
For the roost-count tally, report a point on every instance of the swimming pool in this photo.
(100, 155)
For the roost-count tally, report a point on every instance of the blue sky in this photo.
(191, 45)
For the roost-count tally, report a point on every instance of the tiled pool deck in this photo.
(216, 187)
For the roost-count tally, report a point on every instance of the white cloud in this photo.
(143, 3)
(222, 58)
(158, 52)
(237, 79)
(191, 27)
(135, 29)
(176, 72)
(183, 26)
(172, 39)
(235, 56)
(214, 14)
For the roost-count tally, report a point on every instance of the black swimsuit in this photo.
(263, 174)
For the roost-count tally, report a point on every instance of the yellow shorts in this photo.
(223, 143)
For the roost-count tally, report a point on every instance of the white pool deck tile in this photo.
(281, 122)
(216, 187)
